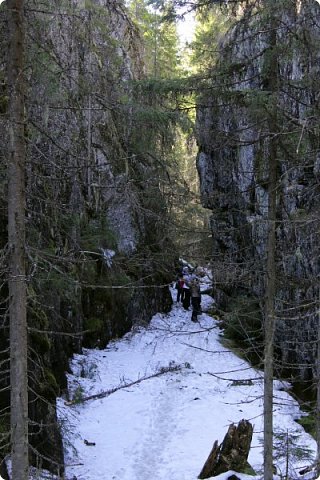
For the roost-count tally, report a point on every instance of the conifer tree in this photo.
(257, 104)
(16, 241)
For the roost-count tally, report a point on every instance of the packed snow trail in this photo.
(164, 427)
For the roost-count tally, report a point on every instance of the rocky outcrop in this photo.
(99, 260)
(234, 137)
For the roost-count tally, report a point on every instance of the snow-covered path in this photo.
(164, 427)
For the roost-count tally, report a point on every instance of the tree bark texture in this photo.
(318, 397)
(269, 325)
(269, 310)
(16, 239)
(232, 454)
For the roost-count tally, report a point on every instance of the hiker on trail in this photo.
(186, 289)
(195, 294)
(179, 287)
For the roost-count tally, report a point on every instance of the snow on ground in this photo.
(164, 427)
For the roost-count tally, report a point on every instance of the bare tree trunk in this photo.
(89, 118)
(318, 397)
(270, 324)
(16, 239)
(269, 314)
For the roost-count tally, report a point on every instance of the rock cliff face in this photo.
(234, 139)
(97, 248)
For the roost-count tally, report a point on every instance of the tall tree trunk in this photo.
(318, 397)
(89, 116)
(270, 321)
(269, 314)
(16, 239)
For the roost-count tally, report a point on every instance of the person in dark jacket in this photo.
(179, 287)
(186, 289)
(195, 294)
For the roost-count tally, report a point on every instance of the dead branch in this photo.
(106, 393)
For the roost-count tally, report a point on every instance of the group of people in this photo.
(188, 291)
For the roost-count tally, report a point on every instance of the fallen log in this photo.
(106, 393)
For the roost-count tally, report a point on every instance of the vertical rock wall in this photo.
(95, 252)
(233, 139)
